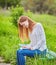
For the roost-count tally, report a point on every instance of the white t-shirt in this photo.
(37, 38)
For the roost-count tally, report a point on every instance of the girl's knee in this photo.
(19, 51)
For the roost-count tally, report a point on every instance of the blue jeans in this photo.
(26, 52)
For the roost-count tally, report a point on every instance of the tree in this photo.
(6, 3)
(41, 6)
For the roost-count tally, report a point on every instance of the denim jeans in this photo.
(26, 52)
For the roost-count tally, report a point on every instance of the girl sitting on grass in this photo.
(35, 32)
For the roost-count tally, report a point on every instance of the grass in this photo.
(9, 40)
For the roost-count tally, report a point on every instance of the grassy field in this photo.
(9, 40)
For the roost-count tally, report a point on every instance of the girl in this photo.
(35, 32)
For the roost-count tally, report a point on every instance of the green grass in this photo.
(9, 40)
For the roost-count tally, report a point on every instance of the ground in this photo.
(2, 62)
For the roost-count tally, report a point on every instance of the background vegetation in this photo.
(40, 6)
(43, 11)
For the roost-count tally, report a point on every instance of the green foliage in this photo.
(8, 3)
(8, 47)
(6, 26)
(16, 12)
(40, 6)
(38, 61)
(9, 40)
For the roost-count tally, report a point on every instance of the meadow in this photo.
(9, 39)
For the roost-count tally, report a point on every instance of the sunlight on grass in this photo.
(9, 40)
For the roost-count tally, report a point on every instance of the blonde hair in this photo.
(24, 32)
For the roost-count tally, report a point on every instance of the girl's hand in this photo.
(30, 48)
(24, 47)
(27, 48)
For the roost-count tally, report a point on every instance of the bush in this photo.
(15, 13)
(9, 39)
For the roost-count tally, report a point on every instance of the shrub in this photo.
(15, 13)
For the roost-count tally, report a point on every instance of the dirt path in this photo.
(2, 62)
